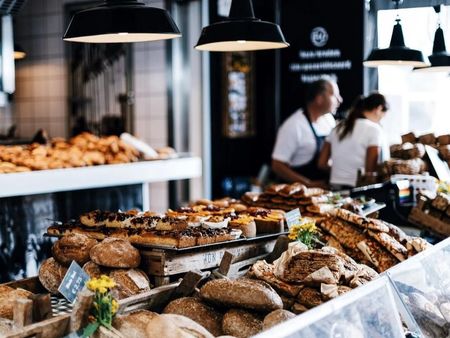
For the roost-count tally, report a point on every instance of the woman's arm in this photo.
(372, 155)
(324, 157)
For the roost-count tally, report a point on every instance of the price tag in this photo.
(292, 217)
(73, 281)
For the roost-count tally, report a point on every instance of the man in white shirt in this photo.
(300, 137)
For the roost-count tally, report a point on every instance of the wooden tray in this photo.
(420, 215)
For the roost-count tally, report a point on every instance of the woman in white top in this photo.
(357, 142)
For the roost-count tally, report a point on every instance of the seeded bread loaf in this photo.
(242, 293)
(198, 311)
(241, 324)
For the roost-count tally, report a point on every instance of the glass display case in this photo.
(413, 296)
(368, 311)
(423, 285)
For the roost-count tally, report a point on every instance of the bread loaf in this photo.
(8, 297)
(73, 247)
(410, 137)
(276, 317)
(95, 270)
(115, 253)
(244, 293)
(241, 324)
(134, 324)
(129, 282)
(175, 326)
(51, 274)
(199, 312)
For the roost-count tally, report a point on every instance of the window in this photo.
(419, 102)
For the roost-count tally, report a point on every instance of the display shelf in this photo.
(55, 180)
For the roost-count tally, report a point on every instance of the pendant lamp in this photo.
(242, 31)
(440, 59)
(397, 54)
(121, 21)
(19, 52)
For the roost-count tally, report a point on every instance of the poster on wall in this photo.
(323, 43)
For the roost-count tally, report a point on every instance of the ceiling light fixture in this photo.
(440, 59)
(19, 52)
(397, 54)
(121, 21)
(242, 31)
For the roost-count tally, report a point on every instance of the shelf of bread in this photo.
(47, 181)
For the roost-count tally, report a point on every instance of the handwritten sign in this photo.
(292, 217)
(73, 282)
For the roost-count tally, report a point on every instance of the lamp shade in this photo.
(397, 53)
(440, 59)
(121, 21)
(241, 32)
(19, 52)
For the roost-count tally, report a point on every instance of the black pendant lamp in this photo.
(440, 59)
(121, 21)
(242, 31)
(19, 52)
(397, 54)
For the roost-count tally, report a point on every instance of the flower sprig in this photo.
(305, 232)
(104, 305)
(443, 187)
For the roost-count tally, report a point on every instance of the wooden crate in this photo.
(421, 216)
(166, 263)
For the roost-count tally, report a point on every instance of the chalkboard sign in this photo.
(322, 42)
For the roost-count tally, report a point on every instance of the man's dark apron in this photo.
(310, 169)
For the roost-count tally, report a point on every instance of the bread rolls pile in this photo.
(113, 256)
(239, 308)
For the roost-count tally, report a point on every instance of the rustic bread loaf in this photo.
(8, 296)
(241, 324)
(175, 326)
(115, 253)
(134, 324)
(199, 312)
(73, 247)
(51, 274)
(244, 293)
(95, 270)
(129, 282)
(276, 317)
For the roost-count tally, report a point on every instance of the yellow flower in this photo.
(102, 289)
(114, 306)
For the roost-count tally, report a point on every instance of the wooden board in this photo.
(165, 263)
(426, 220)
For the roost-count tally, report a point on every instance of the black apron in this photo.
(310, 169)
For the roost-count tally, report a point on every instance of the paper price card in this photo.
(292, 217)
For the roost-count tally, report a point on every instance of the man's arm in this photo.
(286, 173)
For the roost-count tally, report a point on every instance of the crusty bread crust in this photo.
(115, 253)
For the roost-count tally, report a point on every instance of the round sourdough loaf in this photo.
(243, 293)
(175, 326)
(129, 282)
(134, 324)
(73, 247)
(241, 324)
(199, 312)
(115, 253)
(51, 274)
(8, 297)
(276, 317)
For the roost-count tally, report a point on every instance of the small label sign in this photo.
(292, 217)
(73, 281)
